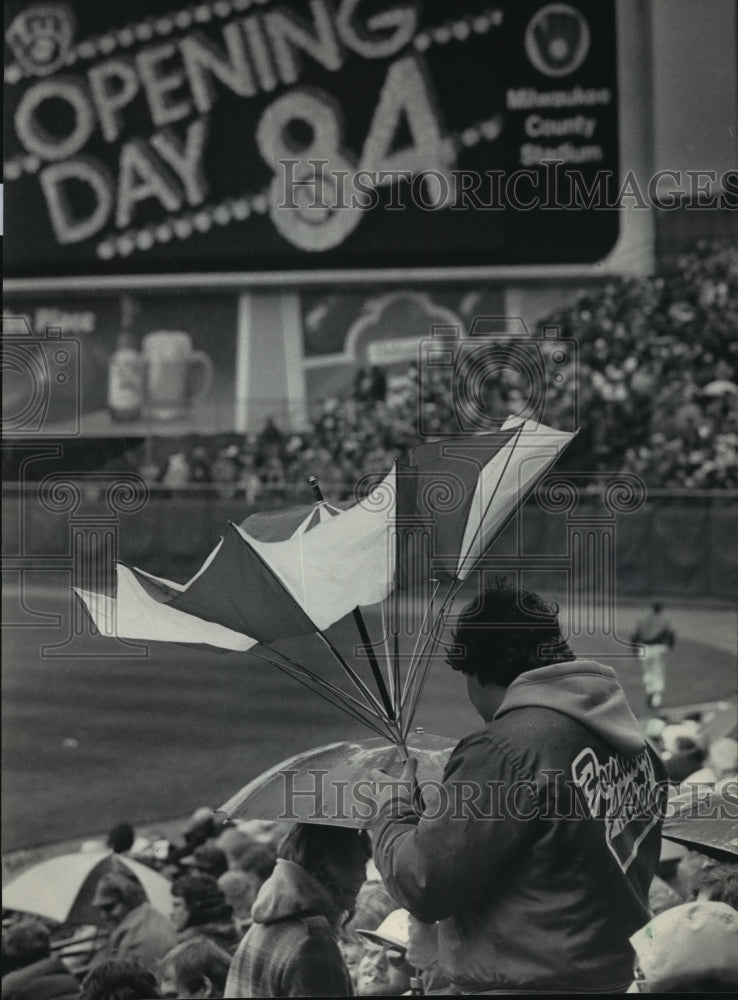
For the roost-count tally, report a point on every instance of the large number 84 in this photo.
(300, 127)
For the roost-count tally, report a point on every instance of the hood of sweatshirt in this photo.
(291, 891)
(584, 690)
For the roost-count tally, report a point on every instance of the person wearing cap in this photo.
(199, 828)
(137, 929)
(207, 859)
(383, 969)
(291, 949)
(688, 949)
(200, 908)
(537, 851)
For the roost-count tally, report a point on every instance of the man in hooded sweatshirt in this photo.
(537, 852)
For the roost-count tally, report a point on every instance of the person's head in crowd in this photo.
(196, 900)
(116, 895)
(121, 838)
(493, 657)
(687, 949)
(195, 969)
(199, 828)
(232, 841)
(249, 856)
(240, 892)
(718, 881)
(120, 979)
(208, 859)
(686, 758)
(689, 728)
(384, 969)
(336, 856)
(25, 943)
(652, 731)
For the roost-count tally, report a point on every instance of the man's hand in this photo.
(400, 790)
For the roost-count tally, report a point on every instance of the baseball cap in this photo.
(394, 930)
(686, 943)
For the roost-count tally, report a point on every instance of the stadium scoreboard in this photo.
(235, 136)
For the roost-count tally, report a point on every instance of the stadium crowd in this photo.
(656, 390)
(225, 878)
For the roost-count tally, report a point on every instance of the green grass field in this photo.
(93, 740)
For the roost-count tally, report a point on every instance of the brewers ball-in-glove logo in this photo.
(619, 793)
(557, 39)
(41, 38)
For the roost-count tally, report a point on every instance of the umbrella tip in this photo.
(313, 481)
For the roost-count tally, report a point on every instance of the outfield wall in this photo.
(672, 545)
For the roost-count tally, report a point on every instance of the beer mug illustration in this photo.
(176, 375)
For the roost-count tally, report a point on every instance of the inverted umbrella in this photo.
(63, 888)
(251, 591)
(332, 784)
(258, 587)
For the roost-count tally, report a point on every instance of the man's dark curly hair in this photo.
(510, 631)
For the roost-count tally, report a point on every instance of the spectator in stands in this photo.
(177, 473)
(384, 969)
(373, 905)
(688, 949)
(252, 864)
(30, 972)
(137, 929)
(238, 889)
(248, 855)
(225, 471)
(120, 979)
(720, 766)
(195, 969)
(718, 881)
(494, 886)
(292, 946)
(208, 859)
(686, 757)
(199, 907)
(269, 440)
(199, 828)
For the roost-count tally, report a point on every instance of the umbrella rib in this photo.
(305, 677)
(318, 679)
(434, 634)
(366, 640)
(357, 681)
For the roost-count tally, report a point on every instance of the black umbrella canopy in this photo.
(704, 820)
